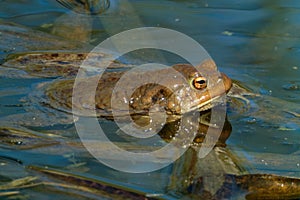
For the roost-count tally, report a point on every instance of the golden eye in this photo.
(199, 83)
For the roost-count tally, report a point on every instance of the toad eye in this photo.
(199, 83)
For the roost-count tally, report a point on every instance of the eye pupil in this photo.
(199, 83)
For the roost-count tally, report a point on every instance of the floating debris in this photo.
(85, 184)
(11, 138)
(228, 33)
(25, 182)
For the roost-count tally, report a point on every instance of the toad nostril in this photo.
(154, 99)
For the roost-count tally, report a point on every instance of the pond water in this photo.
(254, 42)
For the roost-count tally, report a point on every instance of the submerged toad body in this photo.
(178, 89)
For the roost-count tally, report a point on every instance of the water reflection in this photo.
(219, 175)
(55, 147)
(172, 129)
(93, 7)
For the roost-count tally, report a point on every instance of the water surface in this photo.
(254, 42)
